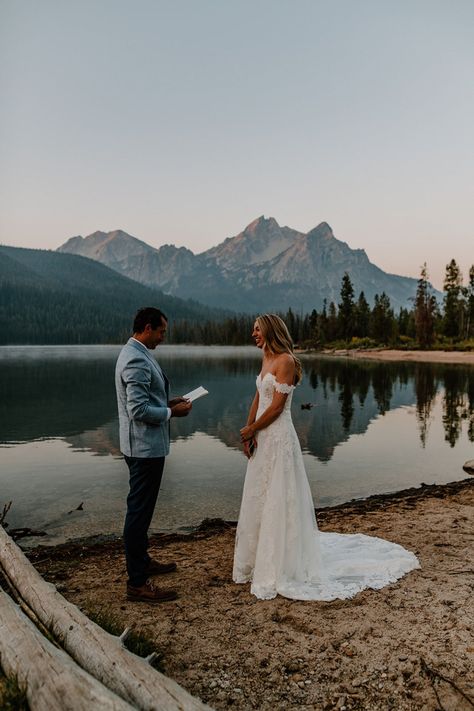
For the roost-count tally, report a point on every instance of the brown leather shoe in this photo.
(155, 568)
(149, 593)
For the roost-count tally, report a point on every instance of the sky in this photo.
(182, 121)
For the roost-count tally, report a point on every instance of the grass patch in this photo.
(12, 694)
(140, 643)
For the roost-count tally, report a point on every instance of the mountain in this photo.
(49, 297)
(133, 258)
(265, 267)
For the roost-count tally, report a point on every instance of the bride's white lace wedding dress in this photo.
(278, 545)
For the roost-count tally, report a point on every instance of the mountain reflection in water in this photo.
(374, 427)
(74, 399)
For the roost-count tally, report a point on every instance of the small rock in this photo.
(213, 684)
(402, 658)
(469, 466)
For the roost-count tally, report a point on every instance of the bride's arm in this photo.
(253, 409)
(250, 420)
(285, 373)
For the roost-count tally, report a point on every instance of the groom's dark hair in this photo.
(148, 315)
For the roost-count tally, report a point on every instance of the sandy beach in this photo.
(409, 646)
(461, 357)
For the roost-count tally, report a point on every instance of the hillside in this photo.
(49, 297)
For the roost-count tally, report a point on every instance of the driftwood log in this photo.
(52, 679)
(95, 650)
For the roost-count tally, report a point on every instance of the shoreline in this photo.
(392, 648)
(393, 355)
(212, 526)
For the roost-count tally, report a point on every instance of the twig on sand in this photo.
(3, 515)
(434, 674)
(17, 533)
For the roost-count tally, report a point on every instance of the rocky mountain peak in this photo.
(321, 231)
(262, 240)
(261, 224)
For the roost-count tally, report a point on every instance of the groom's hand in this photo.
(176, 400)
(182, 408)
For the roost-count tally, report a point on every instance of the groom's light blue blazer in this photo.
(142, 398)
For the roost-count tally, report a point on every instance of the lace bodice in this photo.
(266, 386)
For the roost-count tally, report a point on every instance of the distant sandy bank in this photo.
(463, 357)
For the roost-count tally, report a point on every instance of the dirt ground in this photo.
(408, 646)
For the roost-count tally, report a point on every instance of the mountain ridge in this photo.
(50, 297)
(264, 267)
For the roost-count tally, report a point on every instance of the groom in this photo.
(144, 413)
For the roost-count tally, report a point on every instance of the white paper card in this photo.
(195, 394)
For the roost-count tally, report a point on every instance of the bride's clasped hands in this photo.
(279, 548)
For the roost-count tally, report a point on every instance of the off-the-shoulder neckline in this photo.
(274, 378)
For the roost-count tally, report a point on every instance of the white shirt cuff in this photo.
(169, 414)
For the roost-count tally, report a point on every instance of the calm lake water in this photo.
(374, 428)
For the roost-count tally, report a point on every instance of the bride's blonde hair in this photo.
(277, 339)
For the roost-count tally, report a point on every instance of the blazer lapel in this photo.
(155, 363)
(162, 373)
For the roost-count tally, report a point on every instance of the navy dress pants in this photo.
(145, 480)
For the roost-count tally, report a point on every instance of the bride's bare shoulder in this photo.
(284, 358)
(285, 365)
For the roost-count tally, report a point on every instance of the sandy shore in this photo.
(387, 649)
(463, 357)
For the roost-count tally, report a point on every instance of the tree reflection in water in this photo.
(75, 399)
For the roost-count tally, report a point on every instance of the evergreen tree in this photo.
(453, 301)
(403, 322)
(362, 316)
(290, 320)
(382, 321)
(425, 310)
(313, 327)
(470, 305)
(323, 324)
(346, 308)
(332, 322)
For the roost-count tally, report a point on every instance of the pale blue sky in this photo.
(182, 121)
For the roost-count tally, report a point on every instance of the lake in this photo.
(373, 428)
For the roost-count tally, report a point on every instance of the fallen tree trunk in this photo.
(94, 649)
(52, 679)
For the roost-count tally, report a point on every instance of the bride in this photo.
(279, 548)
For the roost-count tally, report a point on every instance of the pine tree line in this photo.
(44, 316)
(354, 323)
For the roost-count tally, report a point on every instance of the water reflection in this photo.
(373, 428)
(74, 399)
